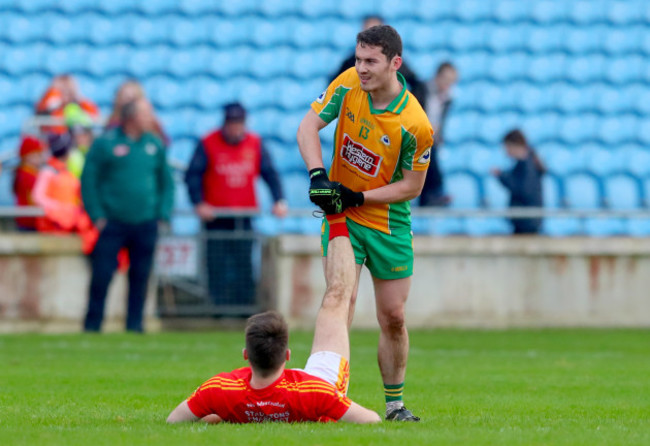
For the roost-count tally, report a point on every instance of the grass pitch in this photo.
(573, 387)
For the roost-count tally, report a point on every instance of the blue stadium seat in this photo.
(105, 31)
(424, 64)
(12, 120)
(32, 6)
(276, 8)
(561, 226)
(270, 63)
(507, 38)
(200, 8)
(265, 121)
(225, 33)
(464, 189)
(474, 65)
(545, 39)
(295, 95)
(624, 13)
(100, 62)
(267, 225)
(182, 150)
(548, 12)
(479, 227)
(204, 122)
(547, 68)
(578, 129)
(63, 30)
(18, 61)
(580, 41)
(191, 62)
(72, 59)
(613, 100)
(440, 226)
(158, 7)
(584, 69)
(583, 191)
(185, 225)
(586, 12)
(511, 11)
(509, 67)
(256, 94)
(272, 33)
(19, 29)
(552, 191)
(561, 161)
(423, 37)
(145, 31)
(621, 41)
(288, 125)
(316, 9)
(623, 191)
(637, 227)
(354, 9)
(456, 158)
(189, 32)
(467, 38)
(208, 93)
(602, 161)
(296, 189)
(231, 62)
(626, 69)
(481, 160)
(636, 160)
(571, 99)
(491, 129)
(470, 11)
(148, 61)
(343, 35)
(308, 64)
(618, 130)
(165, 92)
(641, 100)
(73, 7)
(643, 135)
(496, 196)
(532, 99)
(461, 127)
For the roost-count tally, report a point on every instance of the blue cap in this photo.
(234, 112)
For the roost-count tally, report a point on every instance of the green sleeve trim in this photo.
(333, 107)
(408, 149)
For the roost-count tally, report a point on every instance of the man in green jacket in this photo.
(127, 189)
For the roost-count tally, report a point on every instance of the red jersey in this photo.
(229, 180)
(24, 182)
(295, 396)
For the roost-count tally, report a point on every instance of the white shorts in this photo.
(331, 367)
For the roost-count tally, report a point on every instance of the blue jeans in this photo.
(140, 240)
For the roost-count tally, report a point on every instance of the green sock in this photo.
(393, 392)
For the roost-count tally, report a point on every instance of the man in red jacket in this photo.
(31, 160)
(221, 176)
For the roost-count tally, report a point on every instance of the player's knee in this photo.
(392, 321)
(337, 294)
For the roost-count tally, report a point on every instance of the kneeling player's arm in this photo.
(360, 415)
(183, 414)
(409, 187)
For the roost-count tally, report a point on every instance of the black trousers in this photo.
(230, 262)
(433, 189)
(140, 240)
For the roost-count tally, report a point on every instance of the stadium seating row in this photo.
(510, 11)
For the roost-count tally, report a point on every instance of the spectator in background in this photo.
(31, 160)
(80, 126)
(524, 180)
(222, 174)
(127, 92)
(58, 191)
(417, 87)
(63, 91)
(438, 102)
(127, 190)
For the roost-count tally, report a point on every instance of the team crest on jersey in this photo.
(321, 98)
(425, 157)
(360, 157)
(121, 150)
(150, 149)
(386, 140)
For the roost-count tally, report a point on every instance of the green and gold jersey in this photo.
(372, 147)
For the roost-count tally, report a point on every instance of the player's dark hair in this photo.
(267, 338)
(444, 66)
(383, 36)
(516, 136)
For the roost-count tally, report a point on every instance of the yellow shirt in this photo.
(372, 147)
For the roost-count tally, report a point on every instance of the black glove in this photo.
(320, 187)
(350, 198)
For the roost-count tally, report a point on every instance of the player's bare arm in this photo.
(408, 188)
(183, 414)
(360, 415)
(309, 141)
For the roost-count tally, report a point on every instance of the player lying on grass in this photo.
(266, 391)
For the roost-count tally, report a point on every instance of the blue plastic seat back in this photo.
(464, 189)
(623, 192)
(582, 191)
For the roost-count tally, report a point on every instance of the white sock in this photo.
(392, 405)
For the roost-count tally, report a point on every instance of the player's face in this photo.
(234, 131)
(374, 69)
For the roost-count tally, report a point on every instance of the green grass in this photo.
(573, 387)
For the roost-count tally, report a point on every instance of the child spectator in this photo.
(31, 159)
(524, 180)
(58, 191)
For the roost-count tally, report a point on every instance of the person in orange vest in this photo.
(58, 191)
(31, 159)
